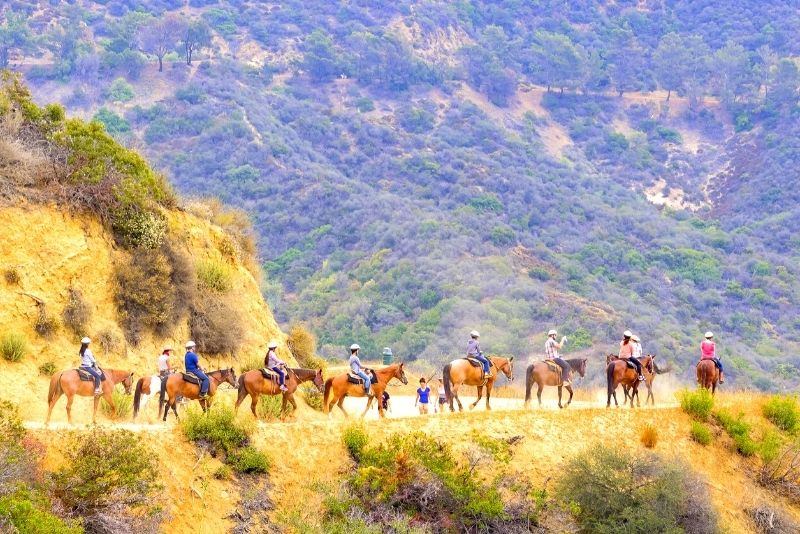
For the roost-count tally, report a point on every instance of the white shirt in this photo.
(163, 362)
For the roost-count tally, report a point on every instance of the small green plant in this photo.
(249, 460)
(123, 402)
(649, 436)
(223, 472)
(120, 91)
(698, 404)
(48, 368)
(701, 433)
(11, 274)
(312, 396)
(355, 439)
(269, 407)
(214, 275)
(13, 347)
(739, 430)
(783, 412)
(770, 446)
(217, 428)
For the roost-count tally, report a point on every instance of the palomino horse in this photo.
(462, 372)
(70, 384)
(618, 372)
(338, 387)
(708, 375)
(176, 385)
(649, 376)
(254, 384)
(543, 375)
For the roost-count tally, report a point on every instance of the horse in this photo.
(338, 387)
(707, 375)
(254, 384)
(462, 372)
(648, 381)
(618, 372)
(70, 384)
(176, 385)
(543, 375)
(146, 387)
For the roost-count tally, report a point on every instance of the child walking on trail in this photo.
(423, 394)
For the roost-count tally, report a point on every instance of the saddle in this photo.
(553, 366)
(628, 362)
(191, 378)
(85, 376)
(268, 374)
(355, 379)
(475, 362)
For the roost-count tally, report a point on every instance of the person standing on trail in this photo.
(423, 395)
(442, 395)
(89, 364)
(708, 351)
(626, 352)
(637, 346)
(192, 363)
(271, 361)
(474, 351)
(387, 407)
(355, 366)
(551, 348)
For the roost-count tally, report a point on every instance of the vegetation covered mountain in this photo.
(417, 169)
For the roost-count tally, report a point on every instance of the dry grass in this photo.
(648, 436)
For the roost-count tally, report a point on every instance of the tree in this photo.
(64, 43)
(697, 68)
(668, 60)
(625, 62)
(783, 91)
(160, 36)
(556, 61)
(320, 59)
(732, 73)
(196, 36)
(14, 36)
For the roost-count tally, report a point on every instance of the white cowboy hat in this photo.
(709, 334)
(166, 348)
(273, 345)
(552, 333)
(190, 344)
(474, 333)
(354, 346)
(636, 338)
(627, 333)
(86, 340)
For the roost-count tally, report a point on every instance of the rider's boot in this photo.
(98, 392)
(284, 388)
(721, 377)
(567, 382)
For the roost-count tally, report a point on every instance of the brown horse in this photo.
(338, 387)
(543, 375)
(649, 376)
(176, 385)
(254, 384)
(707, 375)
(69, 383)
(462, 372)
(618, 372)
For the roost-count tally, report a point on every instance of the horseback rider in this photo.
(637, 346)
(626, 352)
(474, 351)
(551, 348)
(192, 364)
(708, 351)
(272, 361)
(89, 364)
(164, 365)
(355, 367)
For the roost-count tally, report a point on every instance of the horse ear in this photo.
(511, 359)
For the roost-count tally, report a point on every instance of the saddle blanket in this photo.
(86, 376)
(190, 378)
(475, 362)
(355, 379)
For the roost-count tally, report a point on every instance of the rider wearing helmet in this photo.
(708, 351)
(474, 351)
(272, 361)
(89, 364)
(355, 366)
(626, 352)
(551, 348)
(192, 363)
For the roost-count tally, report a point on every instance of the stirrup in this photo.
(98, 392)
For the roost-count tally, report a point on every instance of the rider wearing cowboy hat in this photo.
(626, 352)
(474, 351)
(192, 363)
(276, 364)
(551, 348)
(708, 351)
(355, 366)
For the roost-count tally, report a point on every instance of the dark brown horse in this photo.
(618, 372)
(176, 385)
(254, 384)
(462, 372)
(649, 376)
(543, 375)
(338, 387)
(69, 383)
(708, 375)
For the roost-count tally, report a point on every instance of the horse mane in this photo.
(575, 362)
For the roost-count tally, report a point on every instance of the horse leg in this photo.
(69, 407)
(455, 394)
(50, 407)
(539, 394)
(480, 395)
(569, 388)
(254, 403)
(559, 397)
(488, 394)
(94, 411)
(369, 405)
(340, 404)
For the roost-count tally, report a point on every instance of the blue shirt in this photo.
(423, 394)
(355, 363)
(191, 361)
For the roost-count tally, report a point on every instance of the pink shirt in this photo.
(626, 351)
(707, 350)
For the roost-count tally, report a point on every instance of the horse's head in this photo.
(127, 383)
(507, 366)
(649, 361)
(400, 374)
(581, 369)
(319, 381)
(610, 357)
(229, 376)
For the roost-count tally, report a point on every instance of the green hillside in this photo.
(415, 170)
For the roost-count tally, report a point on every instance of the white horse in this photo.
(147, 387)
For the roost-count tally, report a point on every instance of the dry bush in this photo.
(769, 520)
(215, 325)
(184, 283)
(649, 436)
(77, 312)
(45, 325)
(240, 241)
(214, 275)
(782, 472)
(144, 293)
(108, 341)
(303, 346)
(12, 276)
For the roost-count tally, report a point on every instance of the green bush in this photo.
(355, 438)
(120, 91)
(249, 460)
(269, 407)
(783, 412)
(139, 228)
(770, 447)
(216, 428)
(254, 362)
(123, 402)
(13, 347)
(48, 368)
(77, 312)
(607, 488)
(312, 396)
(701, 433)
(223, 472)
(698, 404)
(24, 512)
(739, 430)
(214, 275)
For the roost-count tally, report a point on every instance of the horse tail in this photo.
(326, 393)
(610, 377)
(137, 397)
(658, 370)
(528, 383)
(242, 391)
(55, 387)
(446, 379)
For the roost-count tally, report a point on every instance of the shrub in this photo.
(249, 460)
(770, 446)
(772, 520)
(223, 472)
(781, 470)
(48, 368)
(139, 228)
(123, 402)
(605, 487)
(45, 325)
(11, 274)
(355, 439)
(697, 404)
(312, 396)
(215, 325)
(783, 412)
(649, 436)
(214, 275)
(21, 511)
(216, 429)
(13, 347)
(269, 407)
(739, 430)
(701, 433)
(144, 293)
(184, 284)
(76, 312)
(249, 364)
(303, 346)
(120, 91)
